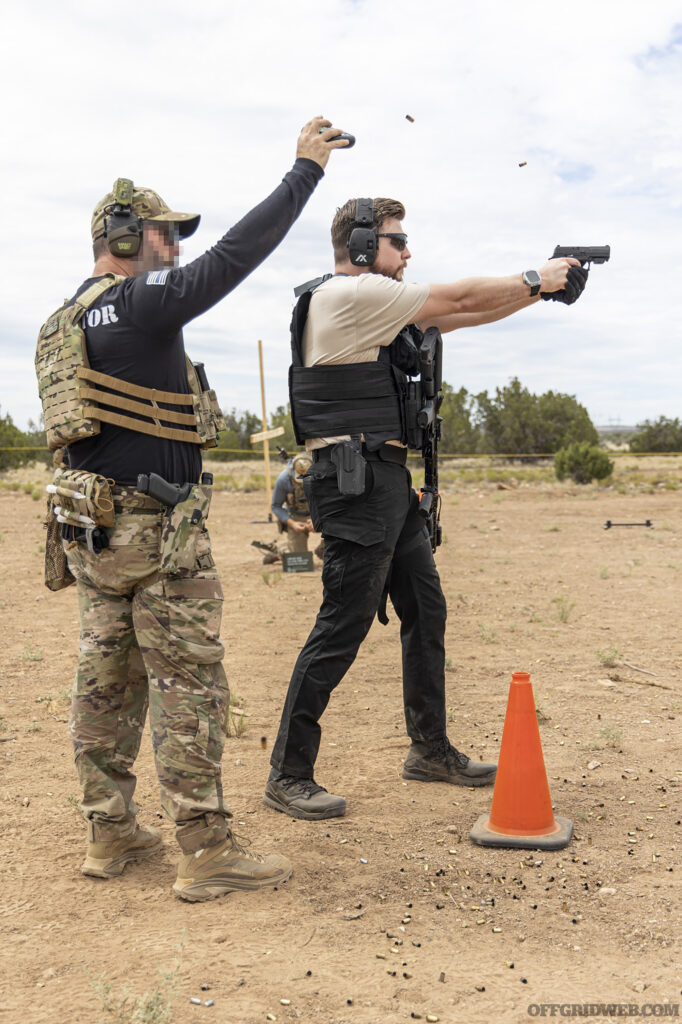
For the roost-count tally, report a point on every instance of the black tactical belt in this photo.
(385, 453)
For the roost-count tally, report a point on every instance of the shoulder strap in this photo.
(298, 319)
(310, 286)
(78, 306)
(303, 293)
(91, 294)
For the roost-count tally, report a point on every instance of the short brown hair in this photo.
(99, 247)
(344, 222)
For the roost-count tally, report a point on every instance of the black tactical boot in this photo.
(302, 798)
(443, 763)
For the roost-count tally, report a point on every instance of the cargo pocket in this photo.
(193, 606)
(360, 532)
(185, 744)
(358, 519)
(204, 556)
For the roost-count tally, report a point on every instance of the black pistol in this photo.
(585, 253)
(156, 487)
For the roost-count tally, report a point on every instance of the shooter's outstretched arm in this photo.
(455, 321)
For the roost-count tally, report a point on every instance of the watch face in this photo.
(532, 278)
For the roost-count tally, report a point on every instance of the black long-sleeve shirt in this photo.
(134, 330)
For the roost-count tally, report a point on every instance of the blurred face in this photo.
(160, 246)
(392, 252)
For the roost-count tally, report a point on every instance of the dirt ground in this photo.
(392, 914)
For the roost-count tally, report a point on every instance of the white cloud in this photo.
(204, 102)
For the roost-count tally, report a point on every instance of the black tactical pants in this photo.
(365, 539)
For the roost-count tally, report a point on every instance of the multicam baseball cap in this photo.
(150, 206)
(301, 463)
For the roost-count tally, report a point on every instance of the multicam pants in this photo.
(149, 640)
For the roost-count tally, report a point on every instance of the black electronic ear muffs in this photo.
(362, 244)
(122, 227)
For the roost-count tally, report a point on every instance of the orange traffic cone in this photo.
(521, 811)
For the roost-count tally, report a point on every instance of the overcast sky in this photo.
(203, 102)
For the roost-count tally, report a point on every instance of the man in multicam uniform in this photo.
(151, 638)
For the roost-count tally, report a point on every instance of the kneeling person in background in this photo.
(290, 506)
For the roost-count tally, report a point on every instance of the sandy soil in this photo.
(391, 914)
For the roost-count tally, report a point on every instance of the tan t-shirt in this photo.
(350, 318)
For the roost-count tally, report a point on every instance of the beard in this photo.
(395, 275)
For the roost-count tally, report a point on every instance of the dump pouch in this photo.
(350, 467)
(182, 527)
(57, 573)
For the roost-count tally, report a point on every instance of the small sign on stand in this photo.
(297, 561)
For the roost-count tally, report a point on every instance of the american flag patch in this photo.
(157, 276)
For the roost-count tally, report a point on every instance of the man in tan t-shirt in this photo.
(374, 537)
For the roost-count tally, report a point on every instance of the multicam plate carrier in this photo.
(74, 404)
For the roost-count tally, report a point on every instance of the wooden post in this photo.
(265, 435)
(266, 446)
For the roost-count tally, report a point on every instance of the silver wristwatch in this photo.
(533, 280)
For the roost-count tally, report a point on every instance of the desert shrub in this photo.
(661, 435)
(458, 431)
(11, 437)
(515, 420)
(24, 442)
(583, 462)
(233, 442)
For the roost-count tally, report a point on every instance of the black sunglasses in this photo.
(398, 240)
